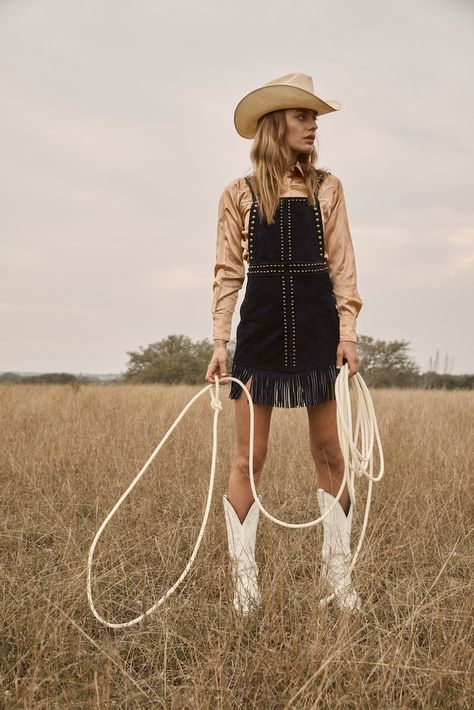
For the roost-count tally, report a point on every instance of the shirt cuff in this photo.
(221, 330)
(347, 328)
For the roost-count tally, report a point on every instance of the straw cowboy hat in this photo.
(290, 91)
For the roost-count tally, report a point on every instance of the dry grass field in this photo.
(66, 456)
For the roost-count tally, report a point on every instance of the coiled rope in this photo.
(358, 461)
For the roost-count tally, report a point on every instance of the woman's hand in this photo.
(347, 350)
(218, 364)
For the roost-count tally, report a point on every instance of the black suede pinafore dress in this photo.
(289, 325)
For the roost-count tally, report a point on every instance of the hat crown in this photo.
(293, 90)
(295, 79)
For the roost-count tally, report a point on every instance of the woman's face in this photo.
(300, 130)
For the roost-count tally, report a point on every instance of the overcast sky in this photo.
(117, 140)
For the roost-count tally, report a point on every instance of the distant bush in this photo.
(434, 380)
(388, 364)
(10, 377)
(47, 378)
(173, 360)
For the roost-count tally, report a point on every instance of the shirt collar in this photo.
(296, 167)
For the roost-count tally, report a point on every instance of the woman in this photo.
(297, 321)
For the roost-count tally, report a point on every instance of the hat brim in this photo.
(271, 98)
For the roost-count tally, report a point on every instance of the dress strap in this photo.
(247, 180)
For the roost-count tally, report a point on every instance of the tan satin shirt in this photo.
(232, 250)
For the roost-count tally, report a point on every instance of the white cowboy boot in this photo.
(241, 538)
(336, 552)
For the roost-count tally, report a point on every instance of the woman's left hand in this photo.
(347, 350)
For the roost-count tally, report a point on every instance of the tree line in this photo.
(381, 363)
(177, 359)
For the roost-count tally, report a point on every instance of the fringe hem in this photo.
(286, 389)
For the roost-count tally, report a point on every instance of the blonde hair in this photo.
(270, 158)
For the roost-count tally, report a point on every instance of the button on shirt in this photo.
(232, 250)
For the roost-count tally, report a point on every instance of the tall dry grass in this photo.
(66, 456)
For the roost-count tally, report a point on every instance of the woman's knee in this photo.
(241, 460)
(327, 455)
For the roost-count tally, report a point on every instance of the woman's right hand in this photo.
(218, 364)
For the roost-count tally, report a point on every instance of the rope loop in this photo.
(357, 450)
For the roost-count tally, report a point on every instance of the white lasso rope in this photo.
(357, 461)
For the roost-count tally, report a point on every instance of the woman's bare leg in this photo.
(326, 451)
(239, 491)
